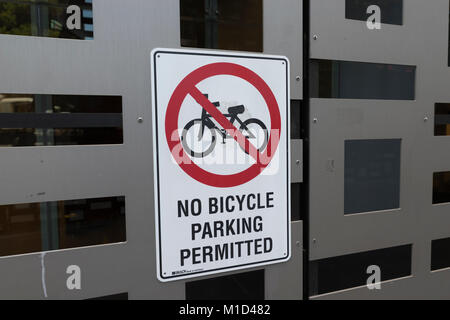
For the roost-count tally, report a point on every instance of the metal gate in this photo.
(49, 185)
(375, 153)
(75, 135)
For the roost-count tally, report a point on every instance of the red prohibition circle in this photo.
(184, 88)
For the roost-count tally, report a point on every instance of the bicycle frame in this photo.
(207, 122)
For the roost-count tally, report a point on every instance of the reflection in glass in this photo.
(50, 120)
(360, 80)
(391, 10)
(372, 175)
(35, 227)
(71, 19)
(442, 119)
(222, 24)
(441, 187)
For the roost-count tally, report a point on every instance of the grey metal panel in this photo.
(344, 39)
(283, 34)
(337, 121)
(296, 160)
(421, 41)
(116, 62)
(284, 281)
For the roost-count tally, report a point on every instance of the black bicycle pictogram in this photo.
(194, 132)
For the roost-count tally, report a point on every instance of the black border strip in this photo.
(305, 130)
(157, 159)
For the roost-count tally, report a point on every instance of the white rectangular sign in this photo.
(221, 159)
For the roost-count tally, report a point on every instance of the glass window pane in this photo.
(360, 80)
(391, 10)
(222, 24)
(350, 271)
(441, 187)
(15, 18)
(50, 120)
(372, 175)
(71, 19)
(242, 286)
(442, 119)
(240, 25)
(44, 226)
(192, 23)
(440, 254)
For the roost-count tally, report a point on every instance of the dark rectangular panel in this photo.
(192, 23)
(222, 24)
(391, 10)
(441, 187)
(442, 119)
(242, 286)
(350, 271)
(295, 201)
(372, 175)
(440, 254)
(296, 132)
(44, 226)
(361, 80)
(49, 120)
(60, 120)
(70, 19)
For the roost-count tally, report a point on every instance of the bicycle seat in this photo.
(236, 110)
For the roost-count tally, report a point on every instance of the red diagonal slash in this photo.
(225, 123)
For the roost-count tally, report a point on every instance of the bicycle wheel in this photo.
(195, 145)
(256, 132)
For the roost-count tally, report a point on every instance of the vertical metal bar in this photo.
(43, 104)
(52, 209)
(44, 19)
(34, 14)
(208, 29)
(44, 227)
(215, 24)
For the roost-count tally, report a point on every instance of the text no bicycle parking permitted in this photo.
(221, 159)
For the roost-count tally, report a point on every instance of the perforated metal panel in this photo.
(421, 41)
(116, 62)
